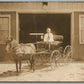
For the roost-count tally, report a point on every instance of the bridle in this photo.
(8, 43)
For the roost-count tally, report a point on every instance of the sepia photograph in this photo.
(42, 41)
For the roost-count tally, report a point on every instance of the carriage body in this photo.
(45, 49)
(52, 52)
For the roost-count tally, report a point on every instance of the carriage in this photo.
(53, 54)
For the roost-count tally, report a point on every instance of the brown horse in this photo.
(20, 52)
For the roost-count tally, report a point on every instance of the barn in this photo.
(18, 19)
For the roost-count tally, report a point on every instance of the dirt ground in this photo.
(67, 72)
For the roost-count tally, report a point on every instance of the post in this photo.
(49, 45)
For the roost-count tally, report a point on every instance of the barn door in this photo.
(4, 33)
(4, 29)
(81, 29)
(81, 35)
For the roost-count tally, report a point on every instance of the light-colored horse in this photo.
(21, 51)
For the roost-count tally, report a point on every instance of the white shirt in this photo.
(48, 37)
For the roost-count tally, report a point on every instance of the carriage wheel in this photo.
(55, 56)
(67, 54)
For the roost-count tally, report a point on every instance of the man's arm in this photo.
(45, 38)
(51, 38)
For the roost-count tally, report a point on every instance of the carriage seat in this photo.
(58, 37)
(58, 40)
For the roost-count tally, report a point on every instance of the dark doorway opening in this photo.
(60, 24)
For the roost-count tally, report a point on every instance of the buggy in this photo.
(53, 53)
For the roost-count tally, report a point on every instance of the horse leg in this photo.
(20, 62)
(30, 60)
(16, 65)
(33, 63)
(27, 61)
(30, 63)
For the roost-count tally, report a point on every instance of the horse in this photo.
(20, 52)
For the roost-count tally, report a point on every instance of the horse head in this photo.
(8, 44)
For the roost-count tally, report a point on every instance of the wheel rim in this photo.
(67, 54)
(55, 55)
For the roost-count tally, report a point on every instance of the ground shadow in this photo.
(40, 67)
(26, 68)
(9, 74)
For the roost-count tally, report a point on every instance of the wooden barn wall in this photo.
(78, 49)
(3, 54)
(28, 6)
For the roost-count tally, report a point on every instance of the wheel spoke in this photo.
(55, 55)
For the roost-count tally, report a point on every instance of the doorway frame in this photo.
(47, 12)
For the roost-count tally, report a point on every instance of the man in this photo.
(48, 37)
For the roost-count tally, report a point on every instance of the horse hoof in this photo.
(17, 73)
(21, 71)
(31, 71)
(34, 70)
